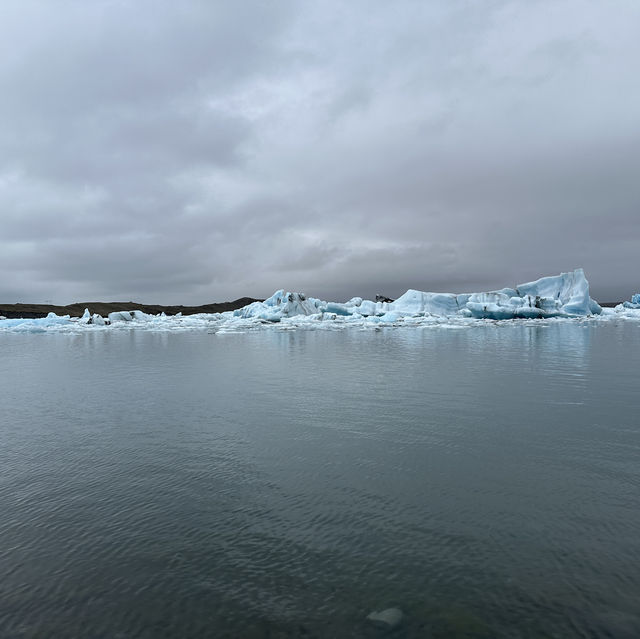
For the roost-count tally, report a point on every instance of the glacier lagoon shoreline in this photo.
(563, 297)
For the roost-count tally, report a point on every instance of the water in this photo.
(285, 484)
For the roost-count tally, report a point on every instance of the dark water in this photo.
(285, 484)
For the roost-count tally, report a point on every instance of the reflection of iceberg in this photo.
(564, 295)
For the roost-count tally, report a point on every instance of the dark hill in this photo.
(104, 308)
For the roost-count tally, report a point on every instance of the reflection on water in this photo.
(286, 484)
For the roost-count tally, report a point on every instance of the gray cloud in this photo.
(199, 151)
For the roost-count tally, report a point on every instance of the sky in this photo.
(198, 151)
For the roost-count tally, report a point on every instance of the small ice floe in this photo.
(388, 618)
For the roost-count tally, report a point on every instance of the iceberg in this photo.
(389, 618)
(37, 325)
(633, 305)
(564, 295)
(280, 304)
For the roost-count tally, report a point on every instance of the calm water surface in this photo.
(485, 480)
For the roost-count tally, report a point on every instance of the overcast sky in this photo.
(196, 151)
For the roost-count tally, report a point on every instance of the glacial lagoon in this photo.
(482, 477)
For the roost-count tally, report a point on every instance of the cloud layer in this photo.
(199, 151)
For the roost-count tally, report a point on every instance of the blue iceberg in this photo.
(633, 305)
(564, 295)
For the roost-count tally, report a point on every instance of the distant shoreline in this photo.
(34, 311)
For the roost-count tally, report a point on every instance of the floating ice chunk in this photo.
(633, 305)
(390, 617)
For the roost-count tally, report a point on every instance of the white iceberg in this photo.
(37, 325)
